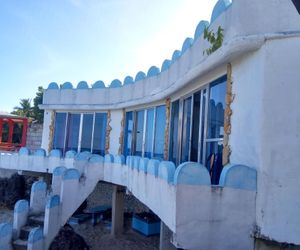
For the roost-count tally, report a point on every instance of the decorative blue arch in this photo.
(140, 76)
(53, 85)
(200, 29)
(188, 42)
(166, 65)
(115, 84)
(67, 85)
(98, 85)
(82, 85)
(219, 8)
(176, 55)
(128, 80)
(153, 71)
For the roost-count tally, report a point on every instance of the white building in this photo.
(235, 112)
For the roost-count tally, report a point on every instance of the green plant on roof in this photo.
(215, 39)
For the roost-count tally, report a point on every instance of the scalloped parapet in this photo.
(239, 177)
(53, 201)
(58, 171)
(152, 167)
(108, 158)
(82, 85)
(143, 164)
(140, 76)
(129, 160)
(38, 186)
(188, 42)
(24, 151)
(128, 80)
(191, 173)
(55, 153)
(70, 154)
(36, 235)
(96, 159)
(119, 159)
(98, 85)
(71, 174)
(136, 162)
(153, 71)
(166, 65)
(219, 8)
(166, 171)
(53, 85)
(115, 84)
(40, 152)
(83, 156)
(176, 55)
(21, 206)
(200, 29)
(66, 85)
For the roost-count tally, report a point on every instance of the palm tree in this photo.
(25, 108)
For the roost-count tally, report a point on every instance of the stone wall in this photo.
(34, 136)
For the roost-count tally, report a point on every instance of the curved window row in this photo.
(80, 132)
(145, 132)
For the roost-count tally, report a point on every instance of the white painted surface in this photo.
(116, 118)
(46, 130)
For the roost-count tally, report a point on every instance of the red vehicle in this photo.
(13, 130)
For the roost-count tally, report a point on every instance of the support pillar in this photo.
(117, 213)
(165, 238)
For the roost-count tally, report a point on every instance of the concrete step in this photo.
(20, 244)
(24, 233)
(36, 220)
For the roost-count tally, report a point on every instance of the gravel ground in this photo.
(99, 237)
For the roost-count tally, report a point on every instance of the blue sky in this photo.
(89, 40)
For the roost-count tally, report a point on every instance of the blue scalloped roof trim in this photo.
(153, 71)
(67, 85)
(220, 7)
(128, 80)
(82, 85)
(115, 84)
(53, 85)
(200, 29)
(188, 42)
(166, 65)
(98, 85)
(140, 76)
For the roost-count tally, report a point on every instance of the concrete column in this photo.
(165, 238)
(117, 213)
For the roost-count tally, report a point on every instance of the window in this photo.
(159, 138)
(5, 131)
(17, 133)
(200, 121)
(80, 132)
(139, 133)
(148, 139)
(173, 148)
(60, 131)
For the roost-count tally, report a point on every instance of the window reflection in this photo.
(149, 133)
(87, 131)
(128, 133)
(173, 148)
(159, 139)
(73, 132)
(59, 131)
(99, 133)
(17, 133)
(139, 132)
(186, 128)
(5, 131)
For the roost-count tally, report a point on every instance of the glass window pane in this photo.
(214, 160)
(99, 133)
(139, 132)
(87, 131)
(149, 133)
(160, 126)
(73, 132)
(5, 131)
(173, 147)
(59, 131)
(195, 130)
(17, 133)
(128, 134)
(216, 110)
(186, 127)
(203, 104)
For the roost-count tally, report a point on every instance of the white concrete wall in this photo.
(278, 200)
(46, 130)
(116, 118)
